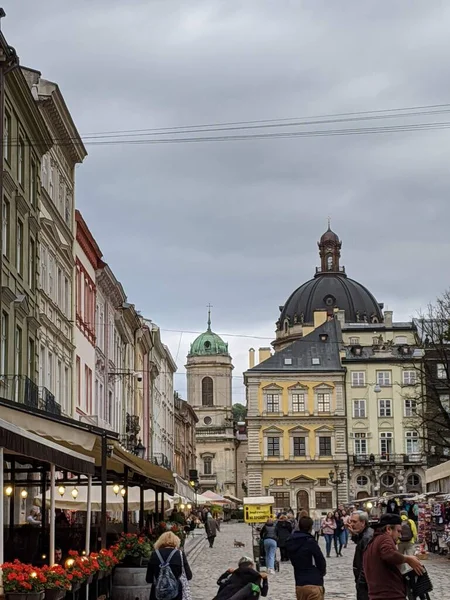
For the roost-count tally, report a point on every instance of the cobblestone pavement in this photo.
(209, 563)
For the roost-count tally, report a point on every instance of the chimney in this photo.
(388, 318)
(251, 358)
(340, 316)
(320, 317)
(264, 354)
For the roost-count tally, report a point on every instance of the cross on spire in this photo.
(209, 307)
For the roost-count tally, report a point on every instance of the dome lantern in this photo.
(208, 343)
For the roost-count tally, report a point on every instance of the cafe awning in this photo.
(20, 442)
(157, 475)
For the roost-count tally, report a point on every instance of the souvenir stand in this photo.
(434, 522)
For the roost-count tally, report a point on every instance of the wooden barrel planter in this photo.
(129, 583)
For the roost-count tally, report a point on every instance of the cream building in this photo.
(376, 362)
(209, 382)
(57, 237)
(162, 368)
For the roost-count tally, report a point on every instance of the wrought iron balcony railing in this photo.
(20, 388)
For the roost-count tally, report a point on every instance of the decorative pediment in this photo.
(325, 386)
(8, 183)
(21, 205)
(385, 424)
(298, 429)
(360, 425)
(67, 253)
(207, 455)
(302, 479)
(298, 387)
(273, 431)
(33, 324)
(324, 429)
(21, 306)
(7, 295)
(272, 387)
(50, 229)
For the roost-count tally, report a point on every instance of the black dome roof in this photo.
(330, 291)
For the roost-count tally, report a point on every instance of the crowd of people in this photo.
(382, 563)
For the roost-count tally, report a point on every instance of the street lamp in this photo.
(24, 494)
(74, 493)
(61, 490)
(336, 478)
(9, 490)
(123, 492)
(116, 488)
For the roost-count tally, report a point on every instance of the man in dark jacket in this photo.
(283, 529)
(244, 579)
(361, 535)
(382, 561)
(308, 562)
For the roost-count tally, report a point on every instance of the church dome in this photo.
(330, 289)
(208, 343)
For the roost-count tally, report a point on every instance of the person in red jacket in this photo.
(382, 561)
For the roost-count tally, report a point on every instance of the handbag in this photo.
(186, 588)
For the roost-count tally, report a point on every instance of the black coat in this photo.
(361, 540)
(231, 584)
(284, 530)
(307, 559)
(175, 567)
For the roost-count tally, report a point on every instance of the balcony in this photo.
(389, 459)
(208, 479)
(210, 431)
(19, 388)
(161, 460)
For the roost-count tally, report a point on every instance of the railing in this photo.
(387, 458)
(320, 270)
(162, 460)
(20, 388)
(211, 431)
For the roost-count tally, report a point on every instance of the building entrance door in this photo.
(302, 500)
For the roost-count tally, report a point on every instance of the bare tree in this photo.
(428, 402)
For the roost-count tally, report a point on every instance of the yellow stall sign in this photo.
(257, 513)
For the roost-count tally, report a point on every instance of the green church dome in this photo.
(208, 343)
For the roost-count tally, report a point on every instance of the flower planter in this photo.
(55, 594)
(25, 596)
(75, 587)
(133, 561)
(89, 580)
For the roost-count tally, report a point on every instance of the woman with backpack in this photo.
(168, 569)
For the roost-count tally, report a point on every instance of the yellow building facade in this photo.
(297, 426)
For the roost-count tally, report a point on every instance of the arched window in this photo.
(207, 391)
(207, 465)
(329, 262)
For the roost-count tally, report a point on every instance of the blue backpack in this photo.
(167, 584)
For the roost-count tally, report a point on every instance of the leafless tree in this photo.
(429, 399)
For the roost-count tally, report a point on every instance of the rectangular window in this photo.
(66, 401)
(412, 442)
(32, 264)
(273, 403)
(358, 378)
(383, 378)
(19, 247)
(60, 292)
(359, 409)
(440, 371)
(18, 357)
(273, 446)
(444, 399)
(31, 358)
(7, 138)
(323, 482)
(51, 176)
(21, 162)
(51, 276)
(66, 301)
(33, 183)
(324, 500)
(298, 403)
(360, 444)
(409, 377)
(207, 465)
(385, 408)
(282, 500)
(49, 383)
(299, 446)
(354, 341)
(279, 481)
(78, 382)
(4, 344)
(410, 407)
(323, 403)
(88, 389)
(324, 446)
(5, 228)
(386, 444)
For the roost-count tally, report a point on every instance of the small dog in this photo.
(238, 544)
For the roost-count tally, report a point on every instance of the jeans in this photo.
(338, 541)
(328, 541)
(270, 548)
(346, 536)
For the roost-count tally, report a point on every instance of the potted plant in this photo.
(134, 549)
(106, 560)
(23, 582)
(58, 582)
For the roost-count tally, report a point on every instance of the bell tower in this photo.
(329, 251)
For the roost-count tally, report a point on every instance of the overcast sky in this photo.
(237, 223)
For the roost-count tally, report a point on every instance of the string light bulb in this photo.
(9, 490)
(24, 494)
(70, 562)
(116, 488)
(123, 492)
(61, 490)
(75, 493)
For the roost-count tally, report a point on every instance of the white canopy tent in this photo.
(114, 503)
